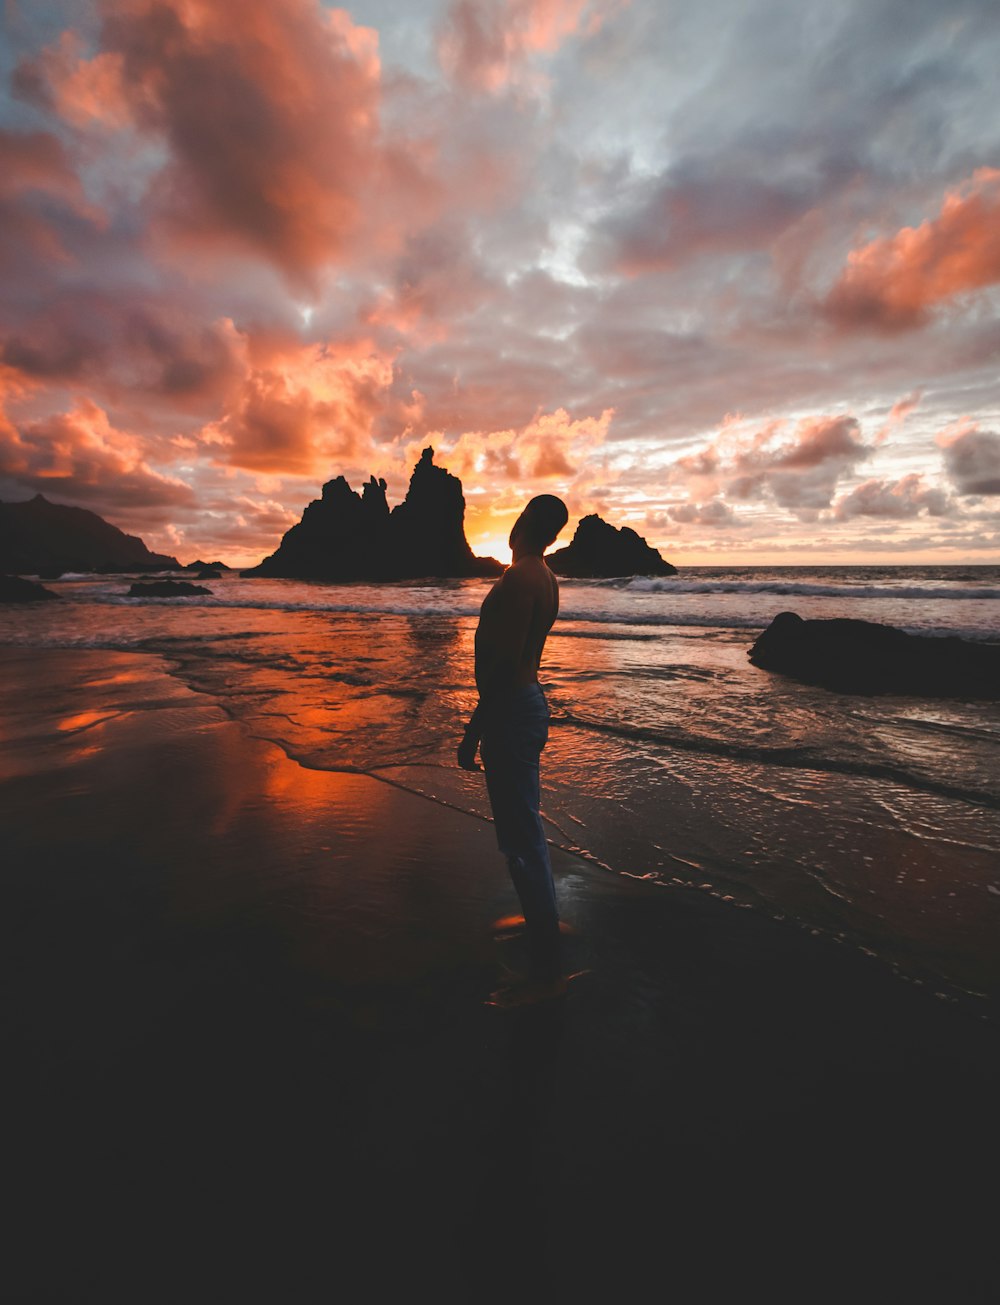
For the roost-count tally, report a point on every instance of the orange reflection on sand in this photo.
(307, 791)
(133, 676)
(84, 719)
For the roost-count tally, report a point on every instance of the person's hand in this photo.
(467, 752)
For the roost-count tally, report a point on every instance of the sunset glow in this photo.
(726, 274)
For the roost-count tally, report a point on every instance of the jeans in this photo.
(514, 732)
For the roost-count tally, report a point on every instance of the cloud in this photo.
(119, 344)
(81, 90)
(800, 473)
(713, 513)
(890, 284)
(303, 410)
(36, 160)
(268, 115)
(898, 414)
(36, 171)
(483, 44)
(553, 446)
(80, 457)
(907, 497)
(703, 206)
(972, 459)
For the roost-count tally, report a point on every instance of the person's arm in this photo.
(500, 639)
(470, 742)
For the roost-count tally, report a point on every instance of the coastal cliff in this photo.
(600, 550)
(42, 538)
(344, 535)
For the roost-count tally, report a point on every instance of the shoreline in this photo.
(248, 1029)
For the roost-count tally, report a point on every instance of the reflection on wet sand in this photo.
(249, 1057)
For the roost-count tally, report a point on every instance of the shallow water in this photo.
(670, 757)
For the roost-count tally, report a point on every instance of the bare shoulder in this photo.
(532, 573)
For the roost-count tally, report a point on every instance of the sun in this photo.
(493, 546)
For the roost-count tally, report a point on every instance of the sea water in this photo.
(875, 819)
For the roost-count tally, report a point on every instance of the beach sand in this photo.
(248, 1056)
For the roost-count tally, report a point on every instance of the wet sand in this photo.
(249, 1057)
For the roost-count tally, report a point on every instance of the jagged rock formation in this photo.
(165, 589)
(348, 536)
(15, 590)
(199, 565)
(598, 549)
(852, 656)
(37, 536)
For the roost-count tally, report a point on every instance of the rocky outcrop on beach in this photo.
(15, 590)
(37, 536)
(600, 550)
(349, 536)
(165, 589)
(852, 656)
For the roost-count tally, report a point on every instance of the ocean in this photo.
(875, 820)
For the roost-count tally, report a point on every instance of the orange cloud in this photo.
(81, 456)
(303, 409)
(553, 454)
(552, 446)
(890, 284)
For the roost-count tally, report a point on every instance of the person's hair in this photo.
(545, 515)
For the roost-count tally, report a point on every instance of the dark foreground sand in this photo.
(248, 1059)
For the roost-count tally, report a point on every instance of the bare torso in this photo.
(514, 621)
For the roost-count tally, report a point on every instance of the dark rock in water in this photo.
(37, 536)
(205, 566)
(864, 657)
(209, 573)
(53, 574)
(348, 536)
(165, 589)
(598, 549)
(15, 590)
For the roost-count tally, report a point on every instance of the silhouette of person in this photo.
(510, 727)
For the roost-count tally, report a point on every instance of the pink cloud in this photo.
(36, 160)
(898, 413)
(800, 473)
(902, 498)
(35, 166)
(268, 112)
(122, 344)
(483, 43)
(713, 513)
(890, 284)
(79, 89)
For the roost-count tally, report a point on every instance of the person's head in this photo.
(539, 523)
